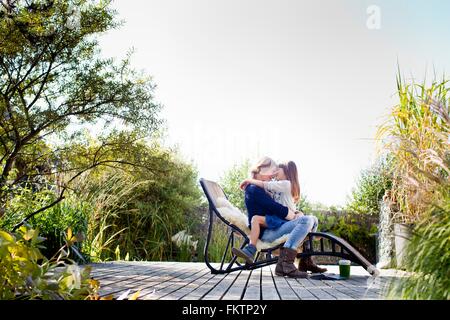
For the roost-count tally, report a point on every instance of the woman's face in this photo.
(281, 175)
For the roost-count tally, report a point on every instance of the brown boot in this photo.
(286, 266)
(307, 264)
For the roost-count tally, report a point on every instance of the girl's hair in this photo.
(264, 162)
(290, 170)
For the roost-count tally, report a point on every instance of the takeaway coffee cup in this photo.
(344, 269)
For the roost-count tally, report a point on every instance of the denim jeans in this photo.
(297, 229)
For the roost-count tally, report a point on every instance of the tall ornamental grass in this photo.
(418, 137)
(105, 198)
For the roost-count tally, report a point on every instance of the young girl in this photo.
(286, 191)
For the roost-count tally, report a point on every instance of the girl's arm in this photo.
(278, 186)
(246, 182)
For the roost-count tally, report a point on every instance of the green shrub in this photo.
(359, 230)
(137, 212)
(53, 222)
(26, 274)
(163, 206)
(24, 201)
(127, 209)
(304, 205)
(371, 187)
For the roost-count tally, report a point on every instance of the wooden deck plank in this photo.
(193, 281)
(190, 287)
(152, 286)
(284, 289)
(120, 270)
(253, 289)
(105, 271)
(317, 288)
(151, 278)
(134, 272)
(178, 289)
(302, 292)
(237, 290)
(356, 292)
(206, 287)
(268, 289)
(222, 287)
(121, 278)
(330, 288)
(166, 289)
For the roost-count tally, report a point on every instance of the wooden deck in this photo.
(194, 281)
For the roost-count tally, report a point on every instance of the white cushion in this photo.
(232, 214)
(235, 216)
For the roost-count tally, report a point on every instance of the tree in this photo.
(230, 183)
(371, 187)
(51, 76)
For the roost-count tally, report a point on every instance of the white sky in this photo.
(295, 80)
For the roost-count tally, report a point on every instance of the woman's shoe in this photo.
(307, 264)
(285, 265)
(247, 253)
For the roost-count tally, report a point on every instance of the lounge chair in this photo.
(236, 224)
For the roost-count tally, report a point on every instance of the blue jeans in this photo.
(297, 229)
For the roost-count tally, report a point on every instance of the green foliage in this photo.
(104, 197)
(230, 183)
(359, 230)
(25, 201)
(305, 206)
(139, 210)
(371, 187)
(166, 205)
(416, 136)
(428, 258)
(53, 222)
(70, 213)
(218, 242)
(53, 75)
(26, 274)
(133, 210)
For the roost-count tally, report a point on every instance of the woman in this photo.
(259, 202)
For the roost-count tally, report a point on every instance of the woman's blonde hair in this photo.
(290, 170)
(264, 162)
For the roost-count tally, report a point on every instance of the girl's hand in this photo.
(244, 184)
